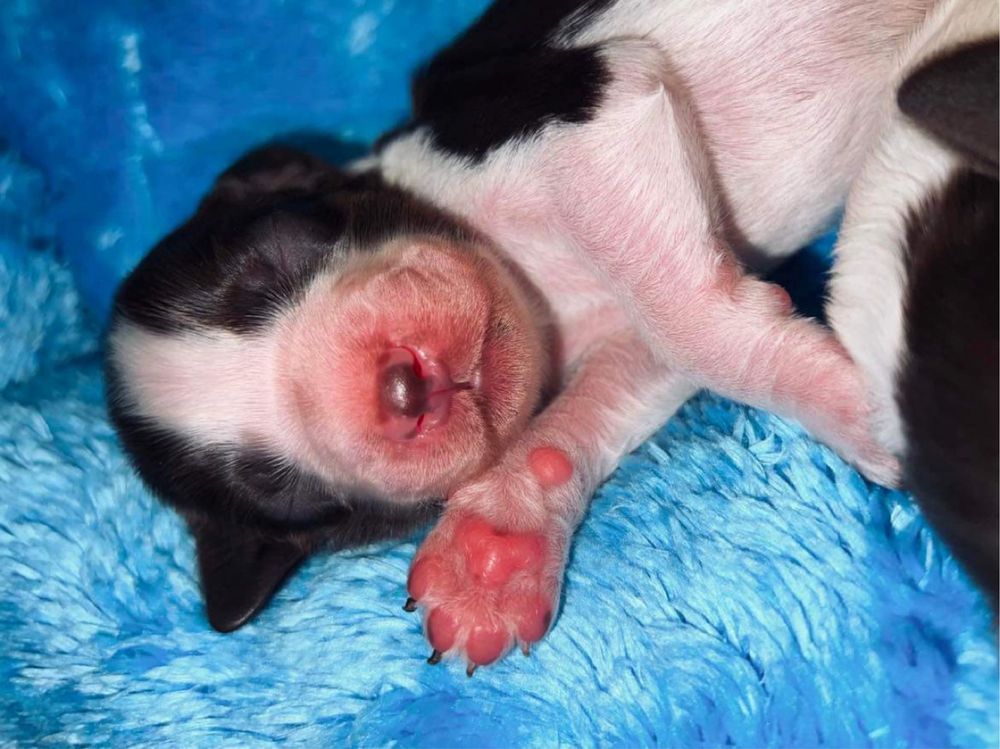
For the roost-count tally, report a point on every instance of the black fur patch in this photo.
(241, 569)
(948, 384)
(502, 79)
(272, 221)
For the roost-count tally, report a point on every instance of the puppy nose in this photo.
(402, 391)
(414, 392)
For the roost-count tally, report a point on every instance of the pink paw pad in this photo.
(482, 591)
(492, 557)
(550, 466)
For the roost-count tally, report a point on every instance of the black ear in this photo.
(240, 571)
(271, 221)
(954, 97)
(275, 169)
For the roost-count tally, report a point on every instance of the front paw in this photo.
(484, 589)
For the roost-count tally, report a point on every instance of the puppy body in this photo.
(675, 163)
(554, 231)
(679, 161)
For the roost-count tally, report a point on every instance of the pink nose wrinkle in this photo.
(415, 393)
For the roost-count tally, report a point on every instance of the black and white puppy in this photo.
(914, 295)
(514, 290)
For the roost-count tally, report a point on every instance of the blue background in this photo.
(735, 582)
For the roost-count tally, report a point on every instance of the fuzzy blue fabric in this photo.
(735, 583)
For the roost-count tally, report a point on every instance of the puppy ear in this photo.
(240, 571)
(274, 169)
(954, 97)
(269, 223)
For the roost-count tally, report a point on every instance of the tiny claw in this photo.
(435, 658)
(526, 648)
(470, 670)
(410, 606)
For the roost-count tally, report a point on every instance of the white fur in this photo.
(212, 386)
(788, 98)
(788, 102)
(868, 288)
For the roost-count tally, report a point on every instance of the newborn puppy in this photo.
(514, 290)
(914, 295)
(314, 359)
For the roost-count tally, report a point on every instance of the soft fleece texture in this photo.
(735, 583)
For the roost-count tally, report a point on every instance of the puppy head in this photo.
(313, 358)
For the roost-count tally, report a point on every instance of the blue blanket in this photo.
(734, 583)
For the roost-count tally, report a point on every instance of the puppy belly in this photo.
(788, 99)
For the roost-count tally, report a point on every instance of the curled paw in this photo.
(482, 589)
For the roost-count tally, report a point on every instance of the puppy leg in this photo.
(634, 192)
(490, 572)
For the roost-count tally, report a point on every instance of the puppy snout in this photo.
(402, 391)
(415, 393)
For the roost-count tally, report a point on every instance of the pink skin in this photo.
(631, 192)
(730, 332)
(498, 586)
(438, 310)
(484, 566)
(550, 466)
